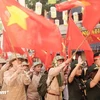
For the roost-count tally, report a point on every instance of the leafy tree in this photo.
(31, 4)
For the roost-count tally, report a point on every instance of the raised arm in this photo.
(26, 78)
(5, 67)
(9, 78)
(95, 80)
(56, 70)
(73, 73)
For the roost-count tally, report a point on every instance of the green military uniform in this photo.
(92, 93)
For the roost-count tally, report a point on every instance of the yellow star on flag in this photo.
(17, 16)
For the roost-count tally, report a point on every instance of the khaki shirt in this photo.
(2, 70)
(16, 88)
(54, 86)
(32, 88)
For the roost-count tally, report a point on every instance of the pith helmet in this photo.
(59, 58)
(92, 68)
(14, 56)
(37, 63)
(25, 63)
(54, 63)
(2, 61)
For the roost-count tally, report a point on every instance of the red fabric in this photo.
(91, 14)
(5, 55)
(1, 51)
(94, 38)
(67, 5)
(41, 54)
(45, 57)
(48, 61)
(75, 39)
(40, 33)
(7, 45)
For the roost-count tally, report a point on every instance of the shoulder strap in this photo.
(51, 81)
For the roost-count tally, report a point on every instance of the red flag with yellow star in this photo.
(27, 29)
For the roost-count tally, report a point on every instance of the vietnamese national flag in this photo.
(27, 29)
(7, 46)
(91, 15)
(75, 38)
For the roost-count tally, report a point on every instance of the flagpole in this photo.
(12, 46)
(80, 44)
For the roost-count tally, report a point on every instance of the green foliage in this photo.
(46, 6)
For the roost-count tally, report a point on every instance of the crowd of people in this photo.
(70, 79)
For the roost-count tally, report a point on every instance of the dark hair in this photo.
(96, 54)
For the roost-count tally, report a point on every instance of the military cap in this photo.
(2, 61)
(37, 63)
(74, 64)
(92, 68)
(25, 63)
(59, 58)
(15, 56)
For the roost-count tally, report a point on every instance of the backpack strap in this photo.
(50, 82)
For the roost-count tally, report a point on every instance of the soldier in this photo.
(55, 79)
(32, 93)
(26, 66)
(4, 86)
(75, 81)
(93, 79)
(2, 62)
(15, 79)
(2, 70)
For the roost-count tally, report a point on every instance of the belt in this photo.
(53, 94)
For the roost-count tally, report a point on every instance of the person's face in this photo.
(60, 61)
(0, 66)
(79, 71)
(26, 68)
(16, 62)
(97, 61)
(20, 60)
(38, 68)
